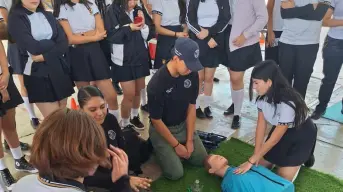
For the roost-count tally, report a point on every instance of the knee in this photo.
(129, 96)
(236, 80)
(209, 79)
(175, 174)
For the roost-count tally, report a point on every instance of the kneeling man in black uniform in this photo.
(172, 93)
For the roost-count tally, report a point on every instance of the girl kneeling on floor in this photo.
(291, 141)
(138, 150)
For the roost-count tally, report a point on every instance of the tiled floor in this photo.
(329, 149)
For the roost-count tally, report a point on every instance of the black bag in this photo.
(138, 150)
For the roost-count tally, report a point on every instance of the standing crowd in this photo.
(95, 45)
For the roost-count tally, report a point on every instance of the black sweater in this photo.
(119, 33)
(306, 12)
(53, 49)
(222, 21)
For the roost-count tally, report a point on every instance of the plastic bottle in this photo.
(196, 186)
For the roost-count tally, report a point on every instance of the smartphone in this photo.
(137, 20)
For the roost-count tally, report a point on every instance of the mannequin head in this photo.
(215, 164)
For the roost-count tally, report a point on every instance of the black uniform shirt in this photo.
(169, 97)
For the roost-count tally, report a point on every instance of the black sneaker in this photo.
(130, 128)
(22, 165)
(7, 178)
(137, 123)
(317, 114)
(230, 110)
(200, 114)
(208, 112)
(23, 146)
(310, 161)
(236, 122)
(145, 108)
(35, 123)
(117, 88)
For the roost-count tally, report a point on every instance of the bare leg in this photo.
(265, 164)
(139, 85)
(63, 103)
(288, 173)
(9, 129)
(80, 84)
(127, 102)
(47, 108)
(109, 93)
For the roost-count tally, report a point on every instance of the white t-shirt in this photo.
(208, 13)
(80, 18)
(277, 19)
(284, 114)
(337, 6)
(169, 11)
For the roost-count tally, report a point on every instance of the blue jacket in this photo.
(257, 179)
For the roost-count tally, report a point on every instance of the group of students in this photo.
(84, 162)
(86, 43)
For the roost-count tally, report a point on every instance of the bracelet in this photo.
(178, 143)
(250, 162)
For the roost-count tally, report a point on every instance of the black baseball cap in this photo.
(188, 51)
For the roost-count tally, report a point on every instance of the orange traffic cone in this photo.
(262, 39)
(73, 104)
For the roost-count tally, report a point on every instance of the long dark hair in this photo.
(183, 11)
(57, 5)
(86, 93)
(280, 91)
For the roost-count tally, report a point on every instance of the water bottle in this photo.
(196, 186)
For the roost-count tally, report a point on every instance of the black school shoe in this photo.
(310, 161)
(317, 114)
(200, 114)
(208, 112)
(230, 110)
(137, 122)
(7, 178)
(117, 88)
(35, 123)
(145, 108)
(22, 165)
(130, 128)
(236, 122)
(23, 146)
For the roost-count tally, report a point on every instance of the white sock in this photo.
(237, 98)
(207, 101)
(198, 102)
(17, 153)
(134, 112)
(125, 122)
(115, 113)
(3, 187)
(143, 97)
(29, 107)
(2, 164)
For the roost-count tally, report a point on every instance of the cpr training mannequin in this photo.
(257, 179)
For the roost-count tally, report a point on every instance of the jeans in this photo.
(333, 59)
